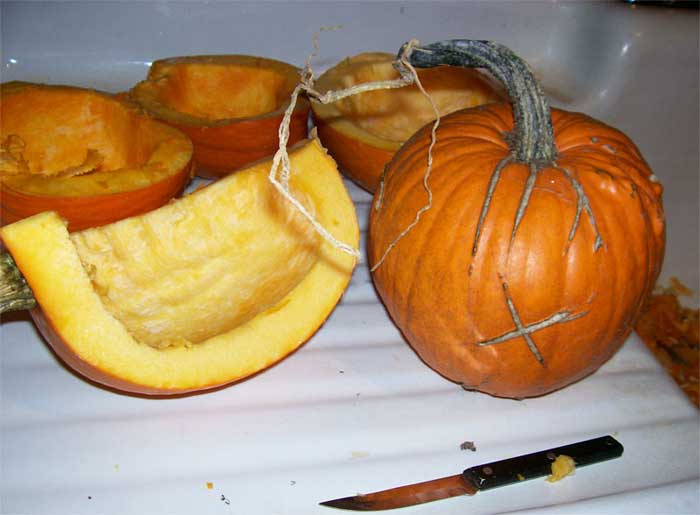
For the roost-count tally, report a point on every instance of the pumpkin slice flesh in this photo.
(188, 248)
(201, 266)
(387, 117)
(215, 90)
(63, 141)
(205, 90)
(364, 131)
(230, 106)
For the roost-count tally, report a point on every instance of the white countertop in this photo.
(354, 410)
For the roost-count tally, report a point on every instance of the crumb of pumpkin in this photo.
(210, 485)
(672, 333)
(562, 466)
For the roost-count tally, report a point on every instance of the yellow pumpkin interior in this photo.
(66, 141)
(395, 114)
(204, 89)
(202, 291)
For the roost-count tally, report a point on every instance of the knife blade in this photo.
(483, 477)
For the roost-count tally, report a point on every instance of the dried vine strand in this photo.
(429, 167)
(280, 163)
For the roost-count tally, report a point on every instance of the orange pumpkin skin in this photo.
(366, 161)
(220, 149)
(92, 373)
(449, 297)
(93, 211)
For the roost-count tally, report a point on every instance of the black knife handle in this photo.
(538, 464)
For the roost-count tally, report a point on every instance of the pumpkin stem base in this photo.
(532, 140)
(15, 294)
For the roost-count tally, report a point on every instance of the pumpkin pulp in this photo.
(205, 290)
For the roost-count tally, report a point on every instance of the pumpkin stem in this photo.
(533, 140)
(15, 294)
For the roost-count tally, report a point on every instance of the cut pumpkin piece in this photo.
(364, 131)
(230, 106)
(85, 154)
(204, 291)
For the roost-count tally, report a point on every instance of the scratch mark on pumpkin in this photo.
(524, 331)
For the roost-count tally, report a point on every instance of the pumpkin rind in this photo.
(450, 301)
(75, 317)
(230, 106)
(145, 163)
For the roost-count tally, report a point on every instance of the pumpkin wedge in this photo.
(206, 290)
(363, 132)
(85, 154)
(230, 106)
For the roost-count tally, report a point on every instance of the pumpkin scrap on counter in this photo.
(518, 262)
(206, 290)
(362, 132)
(672, 333)
(230, 106)
(85, 154)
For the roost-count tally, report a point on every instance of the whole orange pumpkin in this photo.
(545, 234)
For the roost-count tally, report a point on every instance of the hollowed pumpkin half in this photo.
(230, 106)
(206, 290)
(85, 154)
(364, 131)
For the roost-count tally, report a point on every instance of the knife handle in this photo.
(538, 464)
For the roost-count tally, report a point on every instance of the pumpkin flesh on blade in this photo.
(206, 290)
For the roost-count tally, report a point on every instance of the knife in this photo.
(483, 477)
